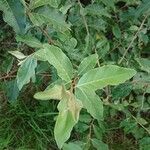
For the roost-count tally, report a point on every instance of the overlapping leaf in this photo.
(51, 93)
(69, 109)
(58, 59)
(100, 77)
(87, 64)
(49, 16)
(14, 14)
(37, 3)
(91, 102)
(29, 40)
(26, 71)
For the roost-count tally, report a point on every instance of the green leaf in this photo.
(141, 83)
(99, 145)
(58, 59)
(108, 3)
(143, 8)
(69, 109)
(29, 40)
(96, 10)
(102, 47)
(145, 143)
(50, 16)
(121, 91)
(14, 14)
(144, 64)
(87, 64)
(52, 93)
(37, 3)
(17, 54)
(12, 90)
(71, 146)
(26, 71)
(100, 77)
(91, 102)
(116, 31)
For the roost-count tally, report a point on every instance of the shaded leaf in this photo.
(144, 64)
(14, 14)
(121, 90)
(143, 8)
(12, 90)
(26, 71)
(99, 145)
(49, 16)
(116, 31)
(108, 3)
(71, 146)
(98, 10)
(145, 143)
(29, 40)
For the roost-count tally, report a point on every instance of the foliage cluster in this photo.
(75, 74)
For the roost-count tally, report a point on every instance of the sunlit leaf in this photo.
(18, 54)
(51, 93)
(87, 64)
(69, 108)
(100, 77)
(91, 102)
(58, 59)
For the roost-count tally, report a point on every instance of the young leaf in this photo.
(58, 59)
(91, 102)
(69, 109)
(26, 71)
(51, 93)
(18, 54)
(14, 14)
(29, 40)
(87, 64)
(100, 77)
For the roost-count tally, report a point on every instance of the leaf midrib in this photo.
(12, 13)
(95, 81)
(61, 66)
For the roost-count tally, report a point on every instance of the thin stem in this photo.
(84, 19)
(135, 36)
(50, 41)
(140, 124)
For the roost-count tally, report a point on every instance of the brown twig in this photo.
(50, 41)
